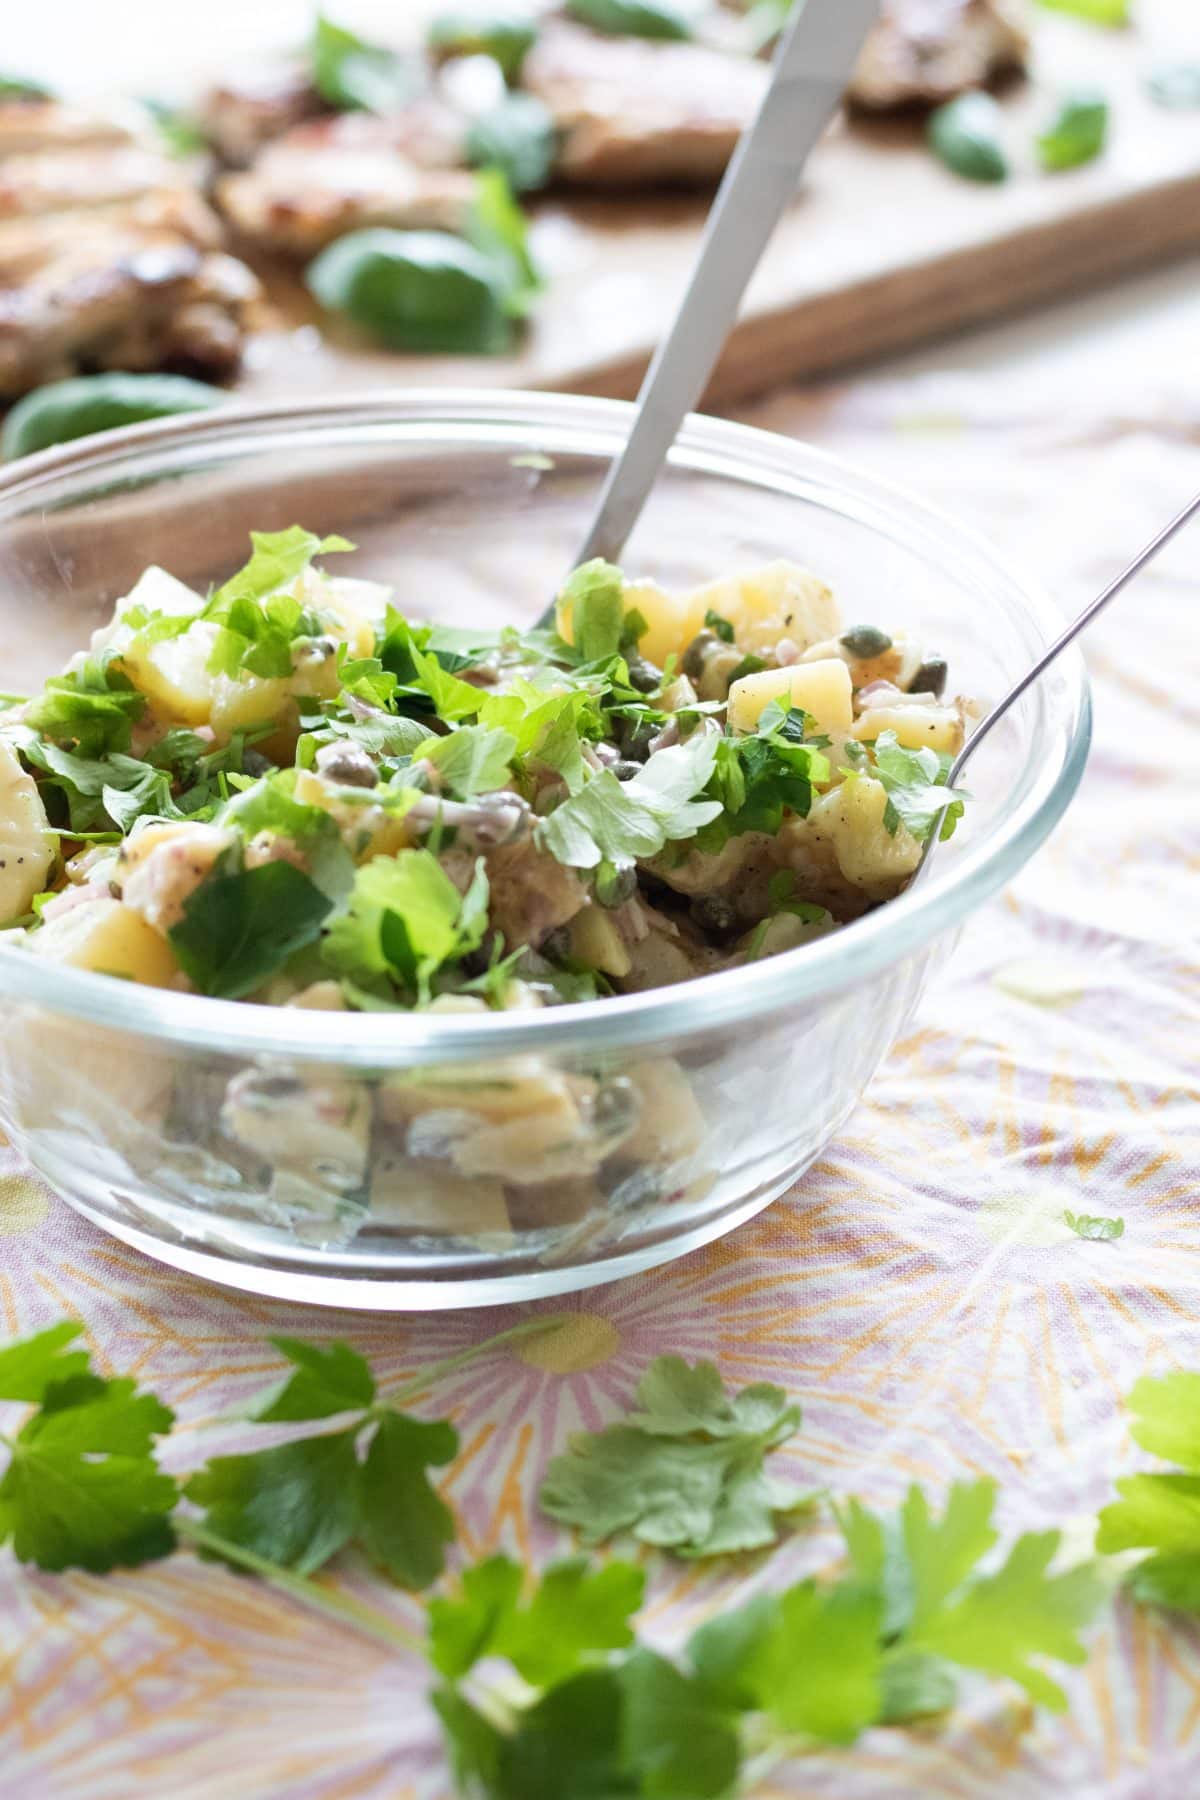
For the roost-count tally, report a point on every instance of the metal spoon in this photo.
(1025, 681)
(811, 69)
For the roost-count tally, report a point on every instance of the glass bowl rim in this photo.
(846, 958)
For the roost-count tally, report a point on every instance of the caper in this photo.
(613, 885)
(616, 1107)
(715, 915)
(930, 678)
(634, 737)
(643, 676)
(865, 641)
(698, 653)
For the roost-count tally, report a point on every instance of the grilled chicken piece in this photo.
(32, 125)
(634, 113)
(29, 244)
(107, 254)
(262, 101)
(927, 51)
(325, 179)
(114, 300)
(61, 180)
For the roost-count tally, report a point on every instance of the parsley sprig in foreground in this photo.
(542, 1685)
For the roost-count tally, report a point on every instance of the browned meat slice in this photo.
(926, 51)
(108, 253)
(634, 113)
(113, 300)
(28, 244)
(323, 180)
(27, 126)
(54, 181)
(259, 102)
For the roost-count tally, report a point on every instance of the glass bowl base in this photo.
(372, 1287)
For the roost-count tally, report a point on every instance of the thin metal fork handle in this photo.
(1038, 669)
(811, 68)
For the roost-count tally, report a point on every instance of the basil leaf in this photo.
(518, 136)
(238, 929)
(507, 37)
(1077, 132)
(355, 76)
(636, 18)
(1096, 12)
(415, 290)
(499, 230)
(966, 135)
(20, 87)
(65, 410)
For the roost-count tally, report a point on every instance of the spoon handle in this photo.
(812, 66)
(1093, 608)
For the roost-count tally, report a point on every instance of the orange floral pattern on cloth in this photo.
(919, 1292)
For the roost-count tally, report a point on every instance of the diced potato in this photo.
(110, 938)
(596, 941)
(511, 1088)
(916, 727)
(779, 600)
(27, 845)
(418, 1195)
(662, 958)
(161, 866)
(670, 1124)
(542, 1146)
(786, 931)
(316, 1124)
(174, 675)
(343, 616)
(821, 689)
(158, 592)
(868, 854)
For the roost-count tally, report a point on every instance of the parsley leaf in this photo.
(573, 1618)
(618, 822)
(684, 1471)
(240, 928)
(723, 629)
(1161, 1512)
(404, 920)
(403, 1524)
(28, 1366)
(326, 1382)
(916, 788)
(294, 1504)
(269, 807)
(936, 1605)
(592, 602)
(82, 1488)
(277, 558)
(673, 1740)
(473, 760)
(1102, 1229)
(92, 708)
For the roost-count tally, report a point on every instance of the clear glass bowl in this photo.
(316, 1156)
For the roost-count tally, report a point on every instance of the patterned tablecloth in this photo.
(918, 1293)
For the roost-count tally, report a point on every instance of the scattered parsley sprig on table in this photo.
(543, 1687)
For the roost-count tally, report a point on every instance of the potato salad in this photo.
(290, 791)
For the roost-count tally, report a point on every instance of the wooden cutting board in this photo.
(883, 249)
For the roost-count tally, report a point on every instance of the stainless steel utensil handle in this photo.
(1026, 681)
(812, 66)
